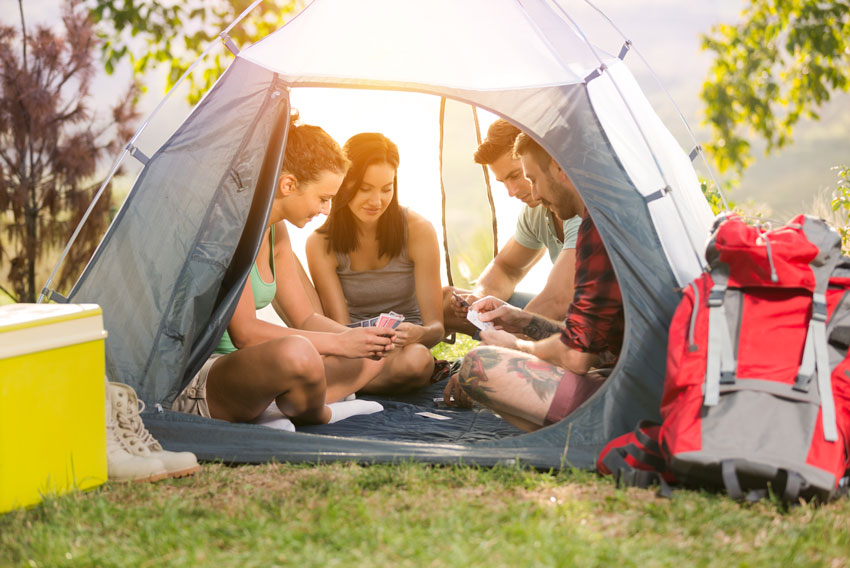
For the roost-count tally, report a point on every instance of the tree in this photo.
(780, 65)
(51, 144)
(150, 33)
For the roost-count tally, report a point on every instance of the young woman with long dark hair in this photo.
(373, 256)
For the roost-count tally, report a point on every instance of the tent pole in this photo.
(443, 194)
(487, 183)
(670, 98)
(451, 338)
(696, 247)
(130, 145)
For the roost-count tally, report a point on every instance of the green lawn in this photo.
(413, 515)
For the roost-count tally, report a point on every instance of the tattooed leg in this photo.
(473, 373)
(517, 386)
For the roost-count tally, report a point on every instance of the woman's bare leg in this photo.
(405, 369)
(289, 371)
(347, 376)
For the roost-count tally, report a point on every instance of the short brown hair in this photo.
(499, 141)
(311, 151)
(525, 144)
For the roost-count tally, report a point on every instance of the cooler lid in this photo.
(20, 316)
(28, 328)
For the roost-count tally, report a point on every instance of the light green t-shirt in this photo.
(263, 295)
(535, 229)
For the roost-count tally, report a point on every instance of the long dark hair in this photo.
(362, 151)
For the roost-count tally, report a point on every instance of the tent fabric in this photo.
(157, 273)
(407, 418)
(664, 167)
(171, 265)
(411, 45)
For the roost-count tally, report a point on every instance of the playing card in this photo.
(472, 316)
(391, 319)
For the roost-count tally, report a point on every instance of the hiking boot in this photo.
(126, 408)
(122, 463)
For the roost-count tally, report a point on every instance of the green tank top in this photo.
(263, 295)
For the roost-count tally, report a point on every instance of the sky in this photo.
(664, 32)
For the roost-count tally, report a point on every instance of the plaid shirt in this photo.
(595, 322)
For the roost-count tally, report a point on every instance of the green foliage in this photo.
(471, 249)
(153, 33)
(714, 197)
(841, 205)
(779, 65)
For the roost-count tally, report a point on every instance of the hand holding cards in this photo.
(472, 316)
(391, 319)
(460, 299)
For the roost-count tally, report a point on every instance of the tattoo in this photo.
(540, 328)
(473, 373)
(541, 376)
(488, 357)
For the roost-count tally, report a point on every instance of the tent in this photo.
(171, 265)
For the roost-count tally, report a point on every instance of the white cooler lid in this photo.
(28, 328)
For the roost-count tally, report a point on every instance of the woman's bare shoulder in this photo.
(418, 223)
(317, 242)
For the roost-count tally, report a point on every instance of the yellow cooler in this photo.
(52, 418)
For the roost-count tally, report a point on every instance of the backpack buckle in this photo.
(715, 297)
(819, 310)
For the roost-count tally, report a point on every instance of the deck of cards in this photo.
(472, 316)
(391, 319)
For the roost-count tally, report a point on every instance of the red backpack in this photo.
(757, 391)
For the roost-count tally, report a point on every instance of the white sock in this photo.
(348, 408)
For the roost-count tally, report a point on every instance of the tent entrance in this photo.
(186, 215)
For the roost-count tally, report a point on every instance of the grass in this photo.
(410, 514)
(413, 515)
(451, 351)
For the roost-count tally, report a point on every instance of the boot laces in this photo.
(130, 422)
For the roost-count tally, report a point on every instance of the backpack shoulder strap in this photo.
(720, 365)
(828, 242)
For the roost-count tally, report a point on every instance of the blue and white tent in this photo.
(170, 268)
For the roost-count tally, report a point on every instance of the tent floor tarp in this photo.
(400, 421)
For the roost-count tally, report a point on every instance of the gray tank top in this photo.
(391, 288)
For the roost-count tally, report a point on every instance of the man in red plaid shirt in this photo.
(537, 381)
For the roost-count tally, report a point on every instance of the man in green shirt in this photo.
(538, 230)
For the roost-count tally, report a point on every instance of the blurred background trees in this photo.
(51, 142)
(173, 34)
(781, 63)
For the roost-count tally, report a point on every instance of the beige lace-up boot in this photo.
(126, 408)
(122, 462)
